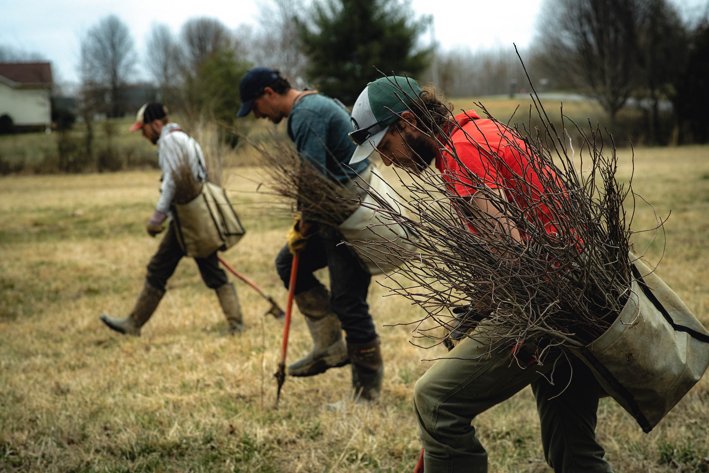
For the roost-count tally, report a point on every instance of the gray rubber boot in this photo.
(329, 349)
(229, 302)
(146, 304)
(367, 369)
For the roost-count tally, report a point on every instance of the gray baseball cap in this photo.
(376, 108)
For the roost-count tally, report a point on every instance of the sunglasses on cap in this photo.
(363, 134)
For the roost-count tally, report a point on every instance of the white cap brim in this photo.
(364, 150)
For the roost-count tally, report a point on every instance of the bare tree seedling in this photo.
(563, 285)
(299, 187)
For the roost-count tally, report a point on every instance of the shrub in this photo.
(72, 154)
(63, 119)
(7, 125)
(109, 160)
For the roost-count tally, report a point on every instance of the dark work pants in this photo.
(470, 380)
(349, 282)
(164, 262)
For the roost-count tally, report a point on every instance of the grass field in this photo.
(185, 397)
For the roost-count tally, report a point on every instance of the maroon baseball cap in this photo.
(148, 112)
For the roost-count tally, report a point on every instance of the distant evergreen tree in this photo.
(663, 49)
(352, 42)
(211, 91)
(692, 93)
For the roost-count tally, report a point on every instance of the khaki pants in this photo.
(469, 381)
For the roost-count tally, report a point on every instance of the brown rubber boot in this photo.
(367, 369)
(329, 349)
(146, 304)
(229, 302)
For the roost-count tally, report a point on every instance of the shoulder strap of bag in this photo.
(202, 167)
(205, 176)
(702, 337)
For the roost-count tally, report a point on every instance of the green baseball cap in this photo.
(376, 108)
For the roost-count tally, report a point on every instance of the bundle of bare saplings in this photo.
(300, 187)
(187, 187)
(343, 207)
(553, 269)
(564, 286)
(567, 279)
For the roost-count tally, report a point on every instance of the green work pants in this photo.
(470, 380)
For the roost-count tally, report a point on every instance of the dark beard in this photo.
(423, 149)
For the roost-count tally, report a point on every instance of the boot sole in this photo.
(318, 367)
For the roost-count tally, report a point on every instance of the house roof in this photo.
(26, 74)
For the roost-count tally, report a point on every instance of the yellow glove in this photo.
(297, 238)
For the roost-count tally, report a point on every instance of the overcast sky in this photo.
(54, 28)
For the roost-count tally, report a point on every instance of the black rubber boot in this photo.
(367, 369)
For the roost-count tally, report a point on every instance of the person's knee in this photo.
(283, 266)
(215, 282)
(439, 426)
(423, 399)
(350, 305)
(158, 273)
(156, 282)
(356, 320)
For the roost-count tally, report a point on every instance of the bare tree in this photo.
(202, 37)
(663, 42)
(163, 60)
(108, 58)
(11, 54)
(591, 44)
(211, 70)
(466, 73)
(277, 44)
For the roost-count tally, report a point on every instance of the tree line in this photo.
(613, 51)
(334, 45)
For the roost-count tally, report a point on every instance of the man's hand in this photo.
(466, 319)
(298, 236)
(155, 224)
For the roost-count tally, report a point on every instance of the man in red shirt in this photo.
(484, 163)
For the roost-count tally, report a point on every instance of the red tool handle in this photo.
(242, 277)
(419, 464)
(289, 307)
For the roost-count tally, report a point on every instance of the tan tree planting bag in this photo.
(653, 353)
(373, 234)
(207, 223)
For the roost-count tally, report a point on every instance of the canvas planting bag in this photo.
(653, 353)
(371, 233)
(207, 223)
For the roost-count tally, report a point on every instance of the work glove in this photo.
(466, 319)
(298, 235)
(155, 224)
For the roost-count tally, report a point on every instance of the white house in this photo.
(25, 93)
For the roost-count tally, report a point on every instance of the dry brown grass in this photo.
(519, 107)
(186, 397)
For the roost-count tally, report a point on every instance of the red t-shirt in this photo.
(487, 153)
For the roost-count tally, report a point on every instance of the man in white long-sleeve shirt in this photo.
(175, 147)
